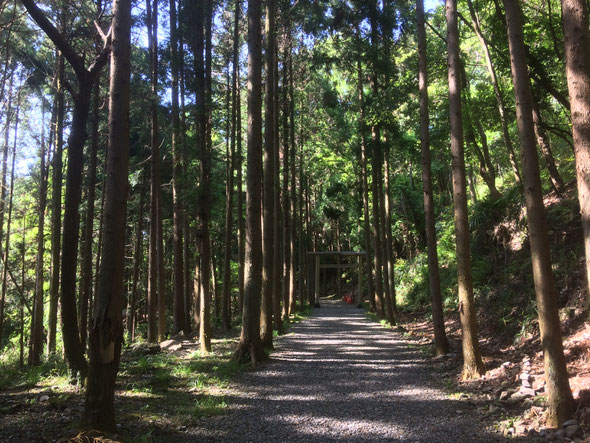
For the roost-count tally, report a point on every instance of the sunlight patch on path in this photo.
(340, 376)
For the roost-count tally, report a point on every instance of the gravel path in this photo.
(339, 376)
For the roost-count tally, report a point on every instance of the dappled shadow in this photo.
(339, 376)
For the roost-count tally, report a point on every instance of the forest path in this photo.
(339, 376)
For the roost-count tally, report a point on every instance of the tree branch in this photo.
(102, 58)
(439, 35)
(56, 37)
(18, 288)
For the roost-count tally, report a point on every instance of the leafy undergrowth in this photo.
(509, 329)
(158, 396)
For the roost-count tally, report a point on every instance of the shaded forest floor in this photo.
(179, 395)
(161, 393)
(509, 332)
(158, 394)
(501, 396)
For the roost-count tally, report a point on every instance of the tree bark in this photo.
(441, 344)
(37, 311)
(137, 262)
(21, 340)
(235, 109)
(377, 241)
(250, 344)
(240, 190)
(286, 200)
(187, 259)
(3, 194)
(382, 216)
(37, 321)
(152, 290)
(292, 187)
(365, 191)
(69, 255)
(86, 278)
(561, 403)
(499, 96)
(277, 229)
(389, 261)
(487, 174)
(156, 291)
(388, 270)
(301, 234)
(380, 300)
(473, 366)
(268, 285)
(576, 42)
(229, 193)
(179, 315)
(214, 286)
(99, 238)
(545, 146)
(56, 192)
(203, 213)
(106, 334)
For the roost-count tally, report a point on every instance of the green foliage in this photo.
(13, 376)
(208, 405)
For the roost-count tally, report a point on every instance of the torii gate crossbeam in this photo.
(318, 266)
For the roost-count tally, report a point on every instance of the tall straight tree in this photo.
(3, 189)
(561, 403)
(239, 167)
(387, 200)
(292, 190)
(37, 329)
(250, 344)
(179, 315)
(286, 168)
(277, 250)
(441, 344)
(56, 193)
(106, 334)
(387, 210)
(576, 41)
(268, 286)
(380, 300)
(156, 296)
(69, 255)
(497, 92)
(387, 283)
(226, 311)
(365, 188)
(187, 272)
(229, 203)
(137, 262)
(473, 366)
(202, 25)
(86, 271)
(5, 269)
(88, 229)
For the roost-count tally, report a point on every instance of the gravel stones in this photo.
(339, 376)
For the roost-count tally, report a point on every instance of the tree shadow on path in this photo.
(339, 376)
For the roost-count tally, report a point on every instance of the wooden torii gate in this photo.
(318, 265)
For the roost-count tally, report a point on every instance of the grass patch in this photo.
(207, 406)
(52, 372)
